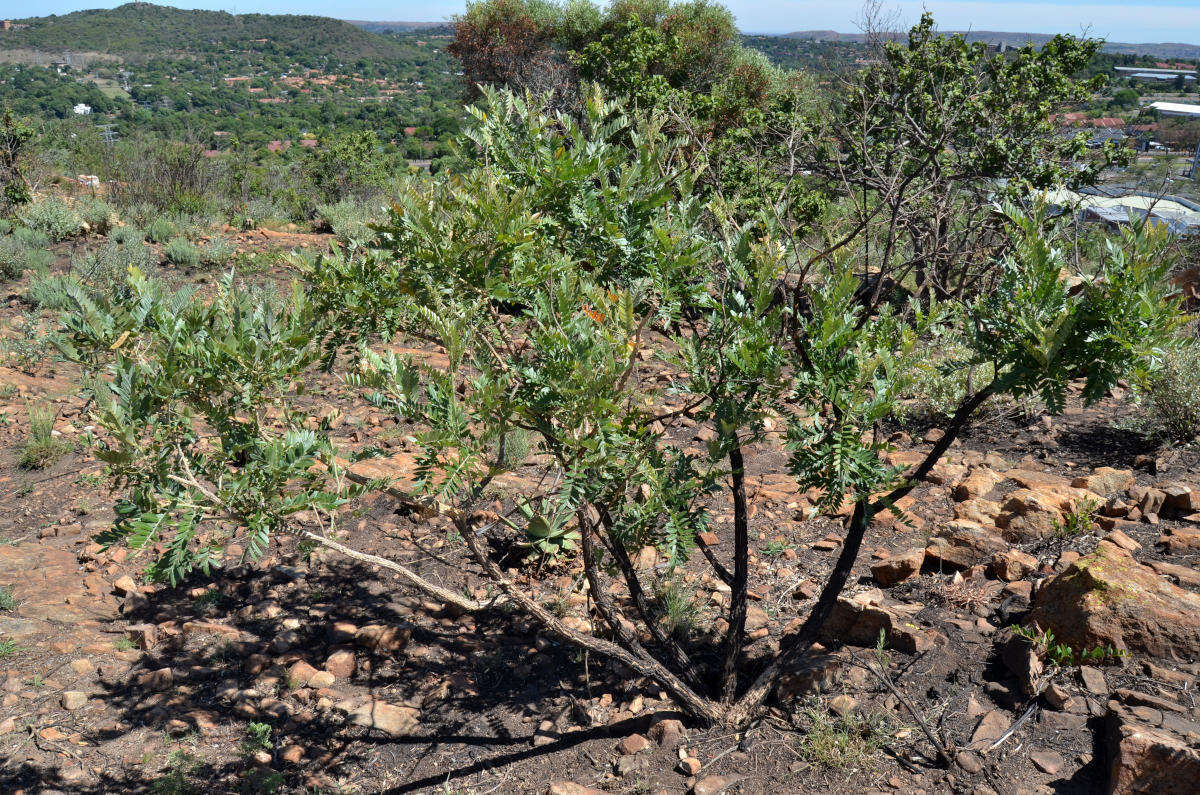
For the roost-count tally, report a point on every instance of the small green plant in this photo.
(124, 644)
(124, 235)
(8, 602)
(98, 214)
(547, 530)
(27, 348)
(210, 598)
(159, 230)
(52, 217)
(104, 270)
(217, 252)
(514, 447)
(676, 606)
(49, 291)
(181, 252)
(37, 682)
(1080, 520)
(41, 449)
(832, 741)
(180, 775)
(258, 738)
(774, 549)
(7, 391)
(8, 647)
(1061, 654)
(1171, 395)
(347, 220)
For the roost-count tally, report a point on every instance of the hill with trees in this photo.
(139, 29)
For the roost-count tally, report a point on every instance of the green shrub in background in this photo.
(52, 217)
(17, 256)
(159, 230)
(346, 219)
(98, 214)
(217, 251)
(6, 226)
(181, 252)
(106, 269)
(123, 235)
(263, 212)
(48, 291)
(31, 237)
(1171, 395)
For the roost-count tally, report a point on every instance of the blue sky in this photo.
(1117, 20)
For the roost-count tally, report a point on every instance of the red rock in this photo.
(899, 568)
(300, 674)
(1146, 759)
(1109, 599)
(392, 720)
(341, 663)
(1011, 565)
(632, 744)
(715, 785)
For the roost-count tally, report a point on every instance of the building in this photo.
(82, 110)
(6, 24)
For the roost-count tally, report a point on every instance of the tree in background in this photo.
(16, 138)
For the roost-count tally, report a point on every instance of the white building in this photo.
(82, 109)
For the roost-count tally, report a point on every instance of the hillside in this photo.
(1156, 49)
(145, 29)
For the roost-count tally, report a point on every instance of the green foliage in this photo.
(160, 230)
(1171, 394)
(1080, 520)
(217, 252)
(8, 602)
(16, 257)
(49, 291)
(105, 269)
(8, 647)
(351, 164)
(547, 529)
(346, 219)
(41, 448)
(28, 347)
(181, 252)
(258, 738)
(99, 215)
(193, 381)
(836, 741)
(1062, 655)
(16, 137)
(124, 235)
(52, 217)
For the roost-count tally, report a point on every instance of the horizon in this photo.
(1126, 21)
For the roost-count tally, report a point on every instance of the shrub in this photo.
(263, 212)
(49, 291)
(105, 269)
(347, 220)
(1171, 394)
(31, 237)
(123, 235)
(160, 230)
(217, 252)
(13, 258)
(42, 448)
(6, 226)
(99, 215)
(52, 217)
(27, 347)
(181, 252)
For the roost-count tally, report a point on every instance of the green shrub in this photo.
(6, 226)
(53, 218)
(105, 269)
(49, 291)
(263, 212)
(1171, 395)
(217, 251)
(31, 237)
(182, 252)
(42, 448)
(99, 215)
(27, 347)
(16, 257)
(160, 230)
(347, 220)
(126, 234)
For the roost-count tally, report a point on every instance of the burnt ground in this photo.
(177, 683)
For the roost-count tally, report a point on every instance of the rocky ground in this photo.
(306, 671)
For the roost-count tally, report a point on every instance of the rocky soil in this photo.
(307, 672)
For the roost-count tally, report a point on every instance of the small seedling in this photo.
(8, 602)
(8, 647)
(1081, 520)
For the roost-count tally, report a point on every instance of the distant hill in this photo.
(1158, 50)
(145, 29)
(393, 27)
